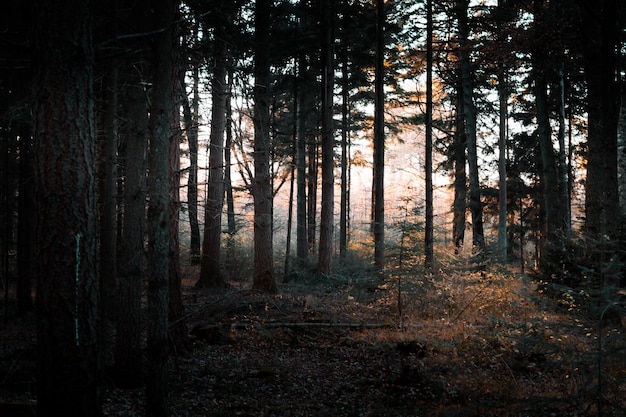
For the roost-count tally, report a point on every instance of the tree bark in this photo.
(69, 362)
(459, 206)
(302, 244)
(379, 141)
(157, 389)
(475, 203)
(210, 273)
(263, 278)
(429, 257)
(26, 230)
(328, 178)
(128, 345)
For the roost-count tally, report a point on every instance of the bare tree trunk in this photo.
(459, 205)
(502, 147)
(210, 273)
(131, 258)
(378, 187)
(344, 211)
(68, 345)
(302, 243)
(328, 178)
(190, 112)
(429, 257)
(26, 231)
(230, 200)
(157, 386)
(263, 278)
(475, 203)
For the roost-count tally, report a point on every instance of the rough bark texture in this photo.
(475, 203)
(263, 278)
(378, 185)
(128, 346)
(157, 390)
(210, 273)
(67, 294)
(302, 246)
(459, 206)
(328, 166)
(429, 257)
(26, 231)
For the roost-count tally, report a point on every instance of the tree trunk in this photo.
(107, 172)
(459, 206)
(379, 141)
(328, 178)
(228, 184)
(190, 113)
(210, 273)
(157, 390)
(302, 243)
(176, 310)
(26, 231)
(601, 192)
(475, 203)
(429, 257)
(502, 148)
(263, 278)
(344, 211)
(128, 345)
(69, 362)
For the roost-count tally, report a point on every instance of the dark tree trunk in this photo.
(475, 203)
(344, 211)
(379, 141)
(69, 361)
(157, 389)
(228, 183)
(459, 206)
(26, 231)
(263, 278)
(502, 149)
(131, 258)
(602, 224)
(190, 116)
(302, 243)
(210, 273)
(429, 257)
(328, 166)
(176, 309)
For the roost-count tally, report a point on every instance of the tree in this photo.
(599, 42)
(328, 178)
(69, 361)
(157, 390)
(469, 110)
(263, 278)
(429, 257)
(210, 274)
(379, 141)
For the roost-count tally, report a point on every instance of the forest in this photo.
(302, 208)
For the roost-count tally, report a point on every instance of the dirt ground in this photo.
(458, 344)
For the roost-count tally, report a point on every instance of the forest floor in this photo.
(463, 343)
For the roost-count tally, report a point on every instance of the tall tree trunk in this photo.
(563, 165)
(475, 203)
(459, 206)
(621, 153)
(228, 184)
(502, 150)
(176, 309)
(157, 389)
(302, 242)
(328, 166)
(191, 118)
(263, 278)
(344, 211)
(210, 273)
(379, 141)
(553, 224)
(26, 231)
(107, 173)
(600, 34)
(131, 258)
(68, 345)
(429, 257)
